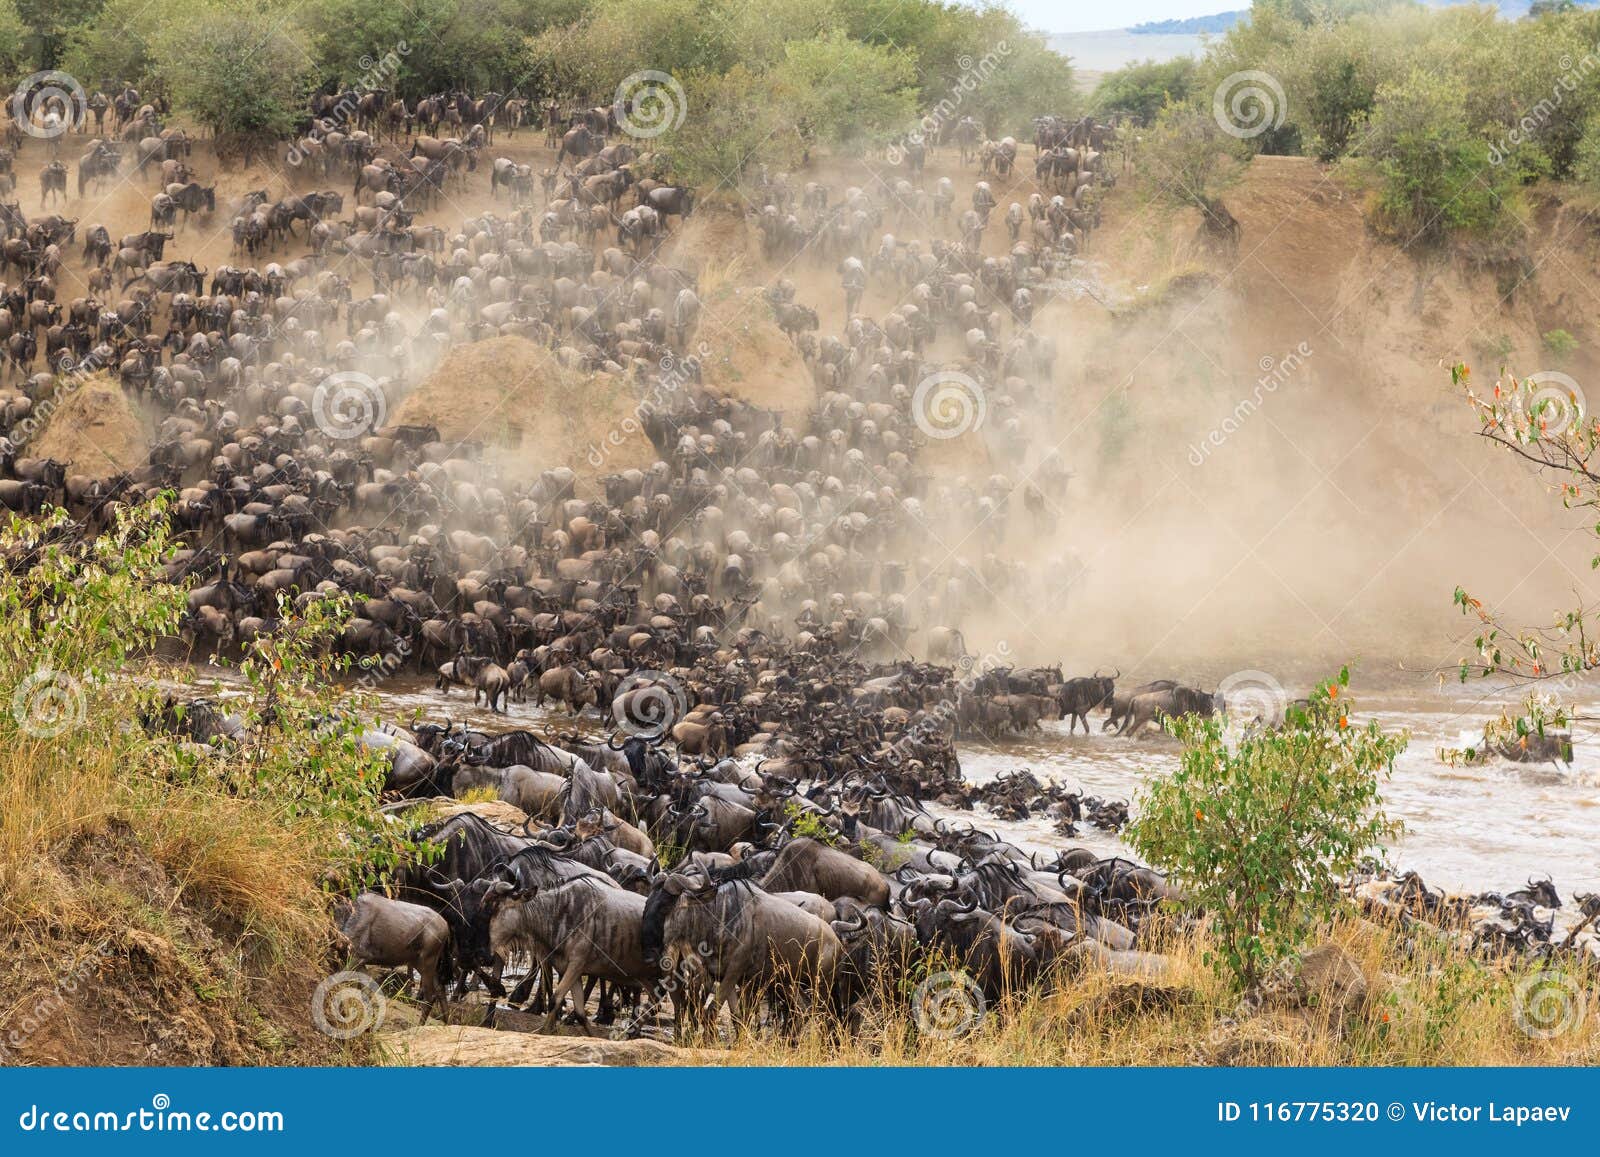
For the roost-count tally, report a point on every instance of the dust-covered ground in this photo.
(1269, 466)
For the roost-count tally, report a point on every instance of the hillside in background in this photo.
(1218, 22)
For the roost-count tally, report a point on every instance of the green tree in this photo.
(1310, 12)
(114, 47)
(1144, 89)
(1258, 834)
(14, 57)
(47, 23)
(731, 122)
(1432, 170)
(244, 75)
(843, 93)
(1024, 79)
(1185, 157)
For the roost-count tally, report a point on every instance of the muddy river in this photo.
(1490, 826)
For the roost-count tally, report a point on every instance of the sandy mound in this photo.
(747, 355)
(456, 1045)
(530, 413)
(715, 240)
(96, 429)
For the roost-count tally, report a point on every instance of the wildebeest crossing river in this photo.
(1491, 825)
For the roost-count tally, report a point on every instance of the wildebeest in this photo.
(1156, 706)
(1077, 697)
(398, 934)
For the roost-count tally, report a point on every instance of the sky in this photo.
(1093, 15)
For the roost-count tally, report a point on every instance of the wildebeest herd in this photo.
(744, 609)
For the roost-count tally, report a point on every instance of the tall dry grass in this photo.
(1430, 1001)
(198, 914)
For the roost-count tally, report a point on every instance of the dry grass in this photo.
(189, 920)
(1429, 1003)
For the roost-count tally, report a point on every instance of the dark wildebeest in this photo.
(1077, 697)
(1157, 706)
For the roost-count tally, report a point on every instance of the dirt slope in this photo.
(1272, 458)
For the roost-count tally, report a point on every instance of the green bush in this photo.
(1559, 342)
(1433, 179)
(1144, 89)
(1258, 833)
(1185, 157)
(245, 76)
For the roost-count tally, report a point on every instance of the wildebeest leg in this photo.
(491, 981)
(726, 993)
(607, 1012)
(569, 981)
(521, 992)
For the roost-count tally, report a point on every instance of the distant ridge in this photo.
(1220, 22)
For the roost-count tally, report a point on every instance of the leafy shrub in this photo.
(1259, 833)
(1431, 166)
(1145, 88)
(1559, 342)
